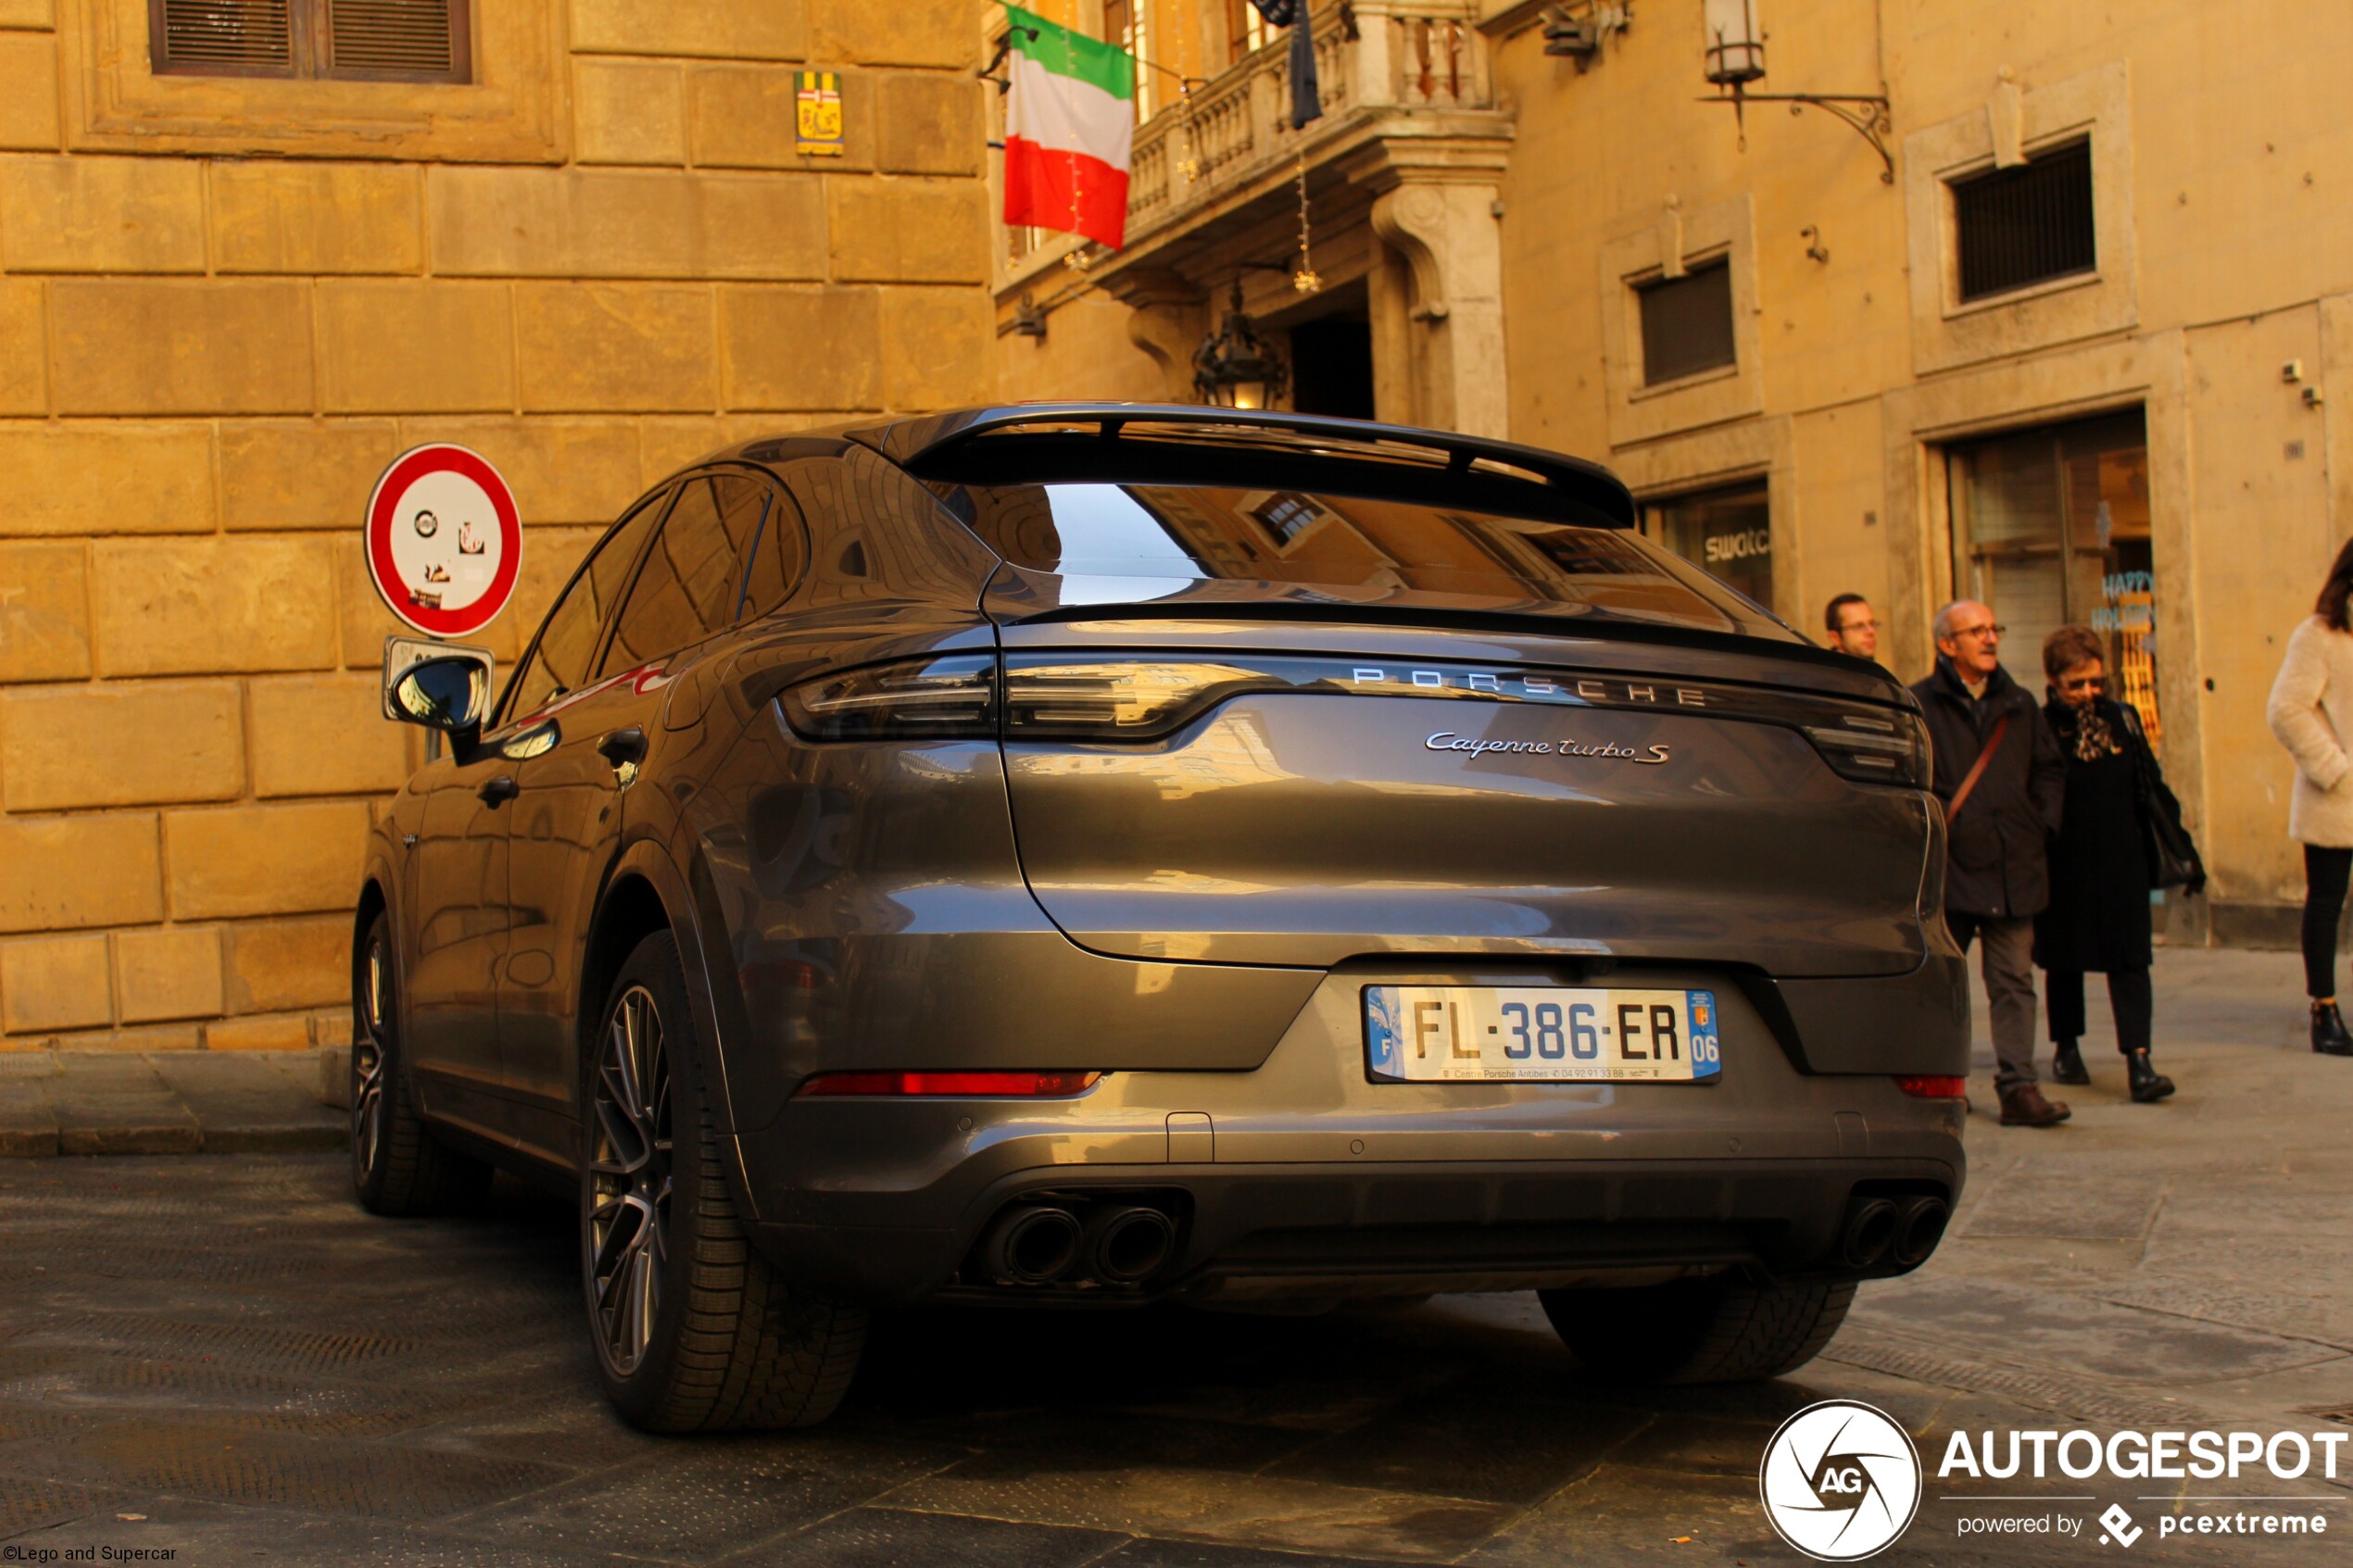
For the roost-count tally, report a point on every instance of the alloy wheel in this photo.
(629, 1170)
(368, 1065)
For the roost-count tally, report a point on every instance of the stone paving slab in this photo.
(28, 1121)
(164, 1102)
(117, 1105)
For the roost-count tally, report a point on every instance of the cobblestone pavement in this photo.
(220, 1356)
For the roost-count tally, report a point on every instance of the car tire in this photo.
(1716, 1328)
(399, 1168)
(695, 1329)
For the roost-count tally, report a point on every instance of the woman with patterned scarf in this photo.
(2098, 915)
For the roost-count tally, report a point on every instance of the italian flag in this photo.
(1071, 119)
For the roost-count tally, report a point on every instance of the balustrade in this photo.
(1373, 55)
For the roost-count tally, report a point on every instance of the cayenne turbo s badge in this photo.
(1447, 740)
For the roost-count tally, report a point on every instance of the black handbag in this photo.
(2172, 854)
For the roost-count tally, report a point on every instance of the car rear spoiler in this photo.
(1145, 442)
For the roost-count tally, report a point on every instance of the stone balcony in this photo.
(1401, 174)
(1374, 61)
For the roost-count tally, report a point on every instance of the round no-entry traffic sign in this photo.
(445, 541)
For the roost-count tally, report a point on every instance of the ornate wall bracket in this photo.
(1866, 115)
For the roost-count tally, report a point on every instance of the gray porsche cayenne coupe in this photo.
(1089, 855)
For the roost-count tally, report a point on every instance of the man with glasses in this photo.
(1853, 628)
(2002, 779)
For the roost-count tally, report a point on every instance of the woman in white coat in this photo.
(2311, 711)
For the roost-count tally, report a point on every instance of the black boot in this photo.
(2066, 1064)
(2148, 1083)
(2329, 1034)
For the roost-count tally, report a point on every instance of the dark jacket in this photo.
(1996, 864)
(2098, 915)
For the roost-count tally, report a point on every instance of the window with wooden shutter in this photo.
(407, 39)
(1687, 323)
(351, 40)
(224, 37)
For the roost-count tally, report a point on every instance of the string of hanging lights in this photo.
(1305, 278)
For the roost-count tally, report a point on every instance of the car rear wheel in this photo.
(1717, 1328)
(397, 1167)
(694, 1328)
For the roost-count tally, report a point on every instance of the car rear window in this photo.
(1133, 543)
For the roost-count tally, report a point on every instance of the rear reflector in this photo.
(1933, 1088)
(1026, 1085)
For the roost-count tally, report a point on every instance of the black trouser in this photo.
(2128, 996)
(2324, 877)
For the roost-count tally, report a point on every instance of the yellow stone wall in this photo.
(2226, 214)
(224, 306)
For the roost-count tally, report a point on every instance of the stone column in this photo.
(1447, 232)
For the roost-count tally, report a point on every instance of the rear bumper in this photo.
(1287, 1232)
(1304, 1179)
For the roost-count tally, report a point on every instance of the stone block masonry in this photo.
(218, 324)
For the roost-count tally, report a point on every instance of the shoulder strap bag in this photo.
(2173, 855)
(1977, 769)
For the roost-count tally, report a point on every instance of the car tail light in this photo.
(948, 698)
(1021, 1085)
(1933, 1087)
(1124, 699)
(1884, 748)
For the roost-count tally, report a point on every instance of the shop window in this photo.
(1687, 323)
(2051, 527)
(1727, 533)
(354, 40)
(2018, 227)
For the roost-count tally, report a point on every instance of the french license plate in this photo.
(1539, 1034)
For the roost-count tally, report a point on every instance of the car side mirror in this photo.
(437, 686)
(450, 695)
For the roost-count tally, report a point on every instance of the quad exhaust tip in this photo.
(1127, 1246)
(1899, 1232)
(1870, 1231)
(1105, 1242)
(1919, 1229)
(1032, 1245)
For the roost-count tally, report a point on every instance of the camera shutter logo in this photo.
(1841, 1481)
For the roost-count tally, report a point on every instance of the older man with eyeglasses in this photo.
(2002, 779)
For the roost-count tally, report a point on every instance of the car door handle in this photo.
(623, 747)
(496, 792)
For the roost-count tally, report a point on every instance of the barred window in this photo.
(2018, 227)
(349, 40)
(1687, 323)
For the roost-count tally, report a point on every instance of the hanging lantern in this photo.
(1735, 44)
(1233, 368)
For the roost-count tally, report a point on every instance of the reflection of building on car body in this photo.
(1080, 856)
